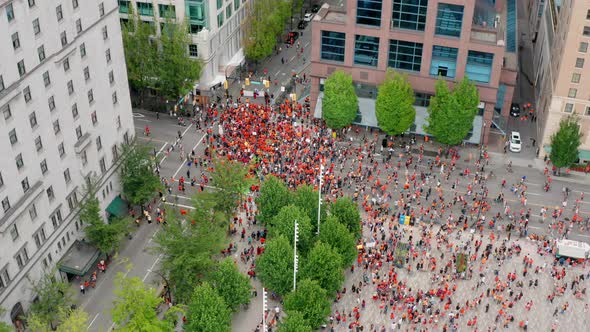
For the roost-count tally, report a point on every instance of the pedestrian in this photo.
(82, 288)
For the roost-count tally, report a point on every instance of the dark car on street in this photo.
(301, 25)
(315, 8)
(515, 110)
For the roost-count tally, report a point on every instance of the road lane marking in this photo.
(151, 268)
(278, 72)
(184, 159)
(92, 322)
(148, 138)
(181, 205)
(144, 120)
(162, 148)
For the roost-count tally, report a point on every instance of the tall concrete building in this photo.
(424, 39)
(65, 108)
(214, 27)
(561, 33)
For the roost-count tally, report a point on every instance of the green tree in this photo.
(274, 195)
(275, 266)
(340, 238)
(233, 286)
(284, 224)
(138, 180)
(263, 25)
(294, 322)
(565, 142)
(140, 53)
(306, 198)
(69, 321)
(4, 327)
(340, 103)
(136, 307)
(177, 72)
(394, 106)
(232, 181)
(324, 265)
(207, 312)
(450, 115)
(348, 214)
(187, 246)
(311, 300)
(52, 296)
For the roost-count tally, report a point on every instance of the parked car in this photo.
(515, 142)
(301, 25)
(315, 8)
(291, 37)
(307, 17)
(515, 110)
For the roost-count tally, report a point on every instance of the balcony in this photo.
(489, 21)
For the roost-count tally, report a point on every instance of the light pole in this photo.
(264, 294)
(320, 195)
(295, 260)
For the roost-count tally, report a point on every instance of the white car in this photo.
(515, 143)
(307, 17)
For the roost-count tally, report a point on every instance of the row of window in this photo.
(406, 56)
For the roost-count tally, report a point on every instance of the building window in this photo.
(67, 176)
(27, 94)
(101, 9)
(66, 64)
(50, 194)
(46, 78)
(366, 50)
(36, 26)
(479, 66)
(368, 12)
(409, 14)
(25, 184)
(145, 9)
(444, 61)
(90, 96)
(236, 4)
(86, 73)
(79, 25)
(98, 143)
(72, 201)
(13, 137)
(33, 212)
(43, 166)
(38, 143)
(126, 137)
(586, 31)
(228, 11)
(41, 53)
(51, 103)
(64, 38)
(1, 181)
(220, 19)
(583, 47)
(572, 93)
(79, 132)
(93, 118)
(59, 13)
(61, 149)
(114, 97)
(7, 112)
(1, 83)
(118, 122)
(108, 55)
(576, 78)
(22, 258)
(21, 68)
(9, 12)
(15, 41)
(40, 238)
(19, 161)
(405, 55)
(83, 50)
(103, 165)
(587, 111)
(56, 128)
(31, 3)
(219, 4)
(124, 6)
(333, 44)
(14, 232)
(4, 278)
(70, 85)
(579, 62)
(111, 77)
(56, 218)
(569, 108)
(75, 4)
(449, 19)
(84, 157)
(115, 152)
(5, 204)
(75, 111)
(105, 33)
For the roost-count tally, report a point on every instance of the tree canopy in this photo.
(284, 224)
(138, 180)
(275, 266)
(140, 52)
(232, 180)
(274, 195)
(306, 198)
(264, 23)
(53, 297)
(565, 142)
(311, 301)
(340, 239)
(451, 114)
(348, 214)
(207, 312)
(294, 322)
(394, 107)
(70, 320)
(233, 286)
(324, 265)
(340, 103)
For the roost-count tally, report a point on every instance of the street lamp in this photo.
(264, 294)
(295, 259)
(320, 195)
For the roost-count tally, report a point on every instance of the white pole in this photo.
(295, 238)
(320, 195)
(264, 329)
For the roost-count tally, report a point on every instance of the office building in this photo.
(424, 39)
(214, 27)
(65, 110)
(560, 31)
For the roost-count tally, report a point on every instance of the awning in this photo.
(79, 259)
(582, 154)
(117, 208)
